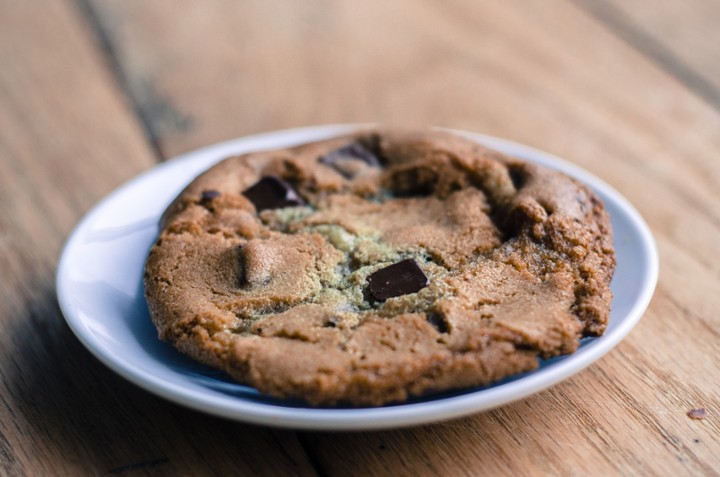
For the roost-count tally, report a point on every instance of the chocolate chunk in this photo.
(271, 192)
(354, 151)
(699, 413)
(208, 195)
(397, 279)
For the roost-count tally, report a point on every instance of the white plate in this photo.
(100, 291)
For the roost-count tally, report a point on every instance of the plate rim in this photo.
(371, 418)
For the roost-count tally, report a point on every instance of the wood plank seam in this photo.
(613, 19)
(313, 457)
(110, 57)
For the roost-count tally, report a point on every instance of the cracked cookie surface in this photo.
(274, 289)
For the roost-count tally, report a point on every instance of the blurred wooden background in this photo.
(93, 92)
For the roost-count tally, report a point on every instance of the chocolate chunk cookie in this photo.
(370, 268)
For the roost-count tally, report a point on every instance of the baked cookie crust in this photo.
(281, 267)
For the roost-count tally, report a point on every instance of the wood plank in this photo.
(67, 137)
(545, 73)
(682, 37)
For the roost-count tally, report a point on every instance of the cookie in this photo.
(375, 267)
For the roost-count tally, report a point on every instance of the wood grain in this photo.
(553, 74)
(681, 37)
(550, 76)
(67, 137)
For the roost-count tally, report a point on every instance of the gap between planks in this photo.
(110, 57)
(608, 15)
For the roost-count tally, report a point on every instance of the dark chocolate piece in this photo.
(397, 279)
(271, 192)
(208, 195)
(353, 151)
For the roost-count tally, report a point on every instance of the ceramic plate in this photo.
(100, 291)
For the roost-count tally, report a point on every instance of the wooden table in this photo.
(93, 92)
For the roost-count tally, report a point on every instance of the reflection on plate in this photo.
(99, 284)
